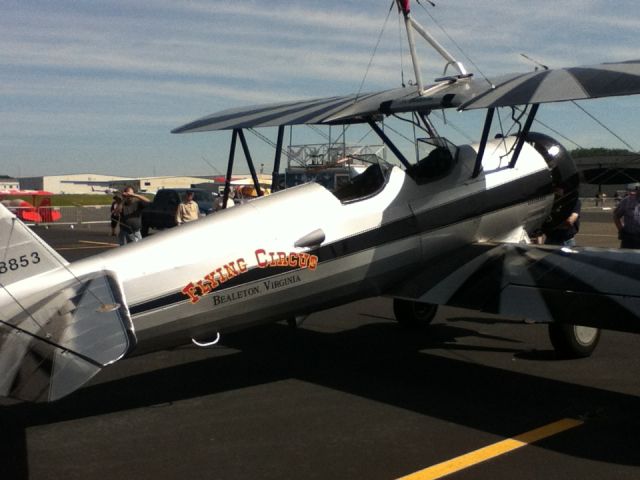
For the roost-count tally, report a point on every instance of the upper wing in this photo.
(562, 84)
(583, 286)
(609, 79)
(316, 111)
(344, 109)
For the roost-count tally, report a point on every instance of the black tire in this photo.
(573, 341)
(144, 231)
(413, 314)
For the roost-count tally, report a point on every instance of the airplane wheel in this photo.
(413, 314)
(144, 231)
(573, 341)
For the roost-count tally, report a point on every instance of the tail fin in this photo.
(57, 330)
(22, 253)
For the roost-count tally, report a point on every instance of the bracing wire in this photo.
(545, 67)
(557, 132)
(454, 127)
(602, 125)
(452, 40)
(375, 49)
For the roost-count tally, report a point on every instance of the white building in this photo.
(97, 183)
(73, 183)
(153, 184)
(9, 183)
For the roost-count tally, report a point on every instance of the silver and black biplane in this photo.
(452, 228)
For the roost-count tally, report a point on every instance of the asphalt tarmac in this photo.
(348, 395)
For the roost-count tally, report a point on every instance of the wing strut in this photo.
(237, 132)
(523, 134)
(374, 126)
(410, 25)
(276, 160)
(247, 156)
(227, 181)
(483, 142)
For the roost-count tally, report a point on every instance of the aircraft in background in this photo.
(106, 191)
(452, 228)
(38, 211)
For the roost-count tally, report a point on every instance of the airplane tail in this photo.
(57, 329)
(22, 253)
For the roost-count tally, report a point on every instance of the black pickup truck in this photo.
(161, 212)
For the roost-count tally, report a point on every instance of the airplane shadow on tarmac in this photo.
(376, 361)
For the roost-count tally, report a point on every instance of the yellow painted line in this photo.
(88, 247)
(491, 451)
(107, 244)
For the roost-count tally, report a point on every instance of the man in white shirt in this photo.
(187, 210)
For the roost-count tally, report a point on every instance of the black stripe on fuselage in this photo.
(481, 203)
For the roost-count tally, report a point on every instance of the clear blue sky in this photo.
(91, 86)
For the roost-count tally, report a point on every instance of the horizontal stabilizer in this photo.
(56, 344)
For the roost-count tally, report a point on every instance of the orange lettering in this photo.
(242, 265)
(190, 291)
(210, 277)
(204, 287)
(231, 270)
(223, 279)
(261, 262)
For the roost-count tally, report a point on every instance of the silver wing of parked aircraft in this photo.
(451, 228)
(546, 86)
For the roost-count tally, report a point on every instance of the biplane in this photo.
(452, 228)
(38, 211)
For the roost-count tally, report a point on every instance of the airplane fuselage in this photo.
(240, 267)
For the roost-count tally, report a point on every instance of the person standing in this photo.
(564, 234)
(626, 217)
(130, 212)
(115, 213)
(187, 210)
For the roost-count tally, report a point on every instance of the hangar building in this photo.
(73, 183)
(97, 183)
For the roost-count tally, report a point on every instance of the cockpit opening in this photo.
(364, 185)
(437, 158)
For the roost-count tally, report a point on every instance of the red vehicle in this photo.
(38, 211)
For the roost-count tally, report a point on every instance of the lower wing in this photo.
(583, 286)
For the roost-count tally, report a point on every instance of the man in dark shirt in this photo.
(564, 233)
(131, 216)
(626, 217)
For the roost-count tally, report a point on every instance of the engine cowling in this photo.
(564, 177)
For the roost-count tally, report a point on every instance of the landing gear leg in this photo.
(296, 321)
(413, 314)
(573, 341)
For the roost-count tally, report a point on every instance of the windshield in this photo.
(202, 196)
